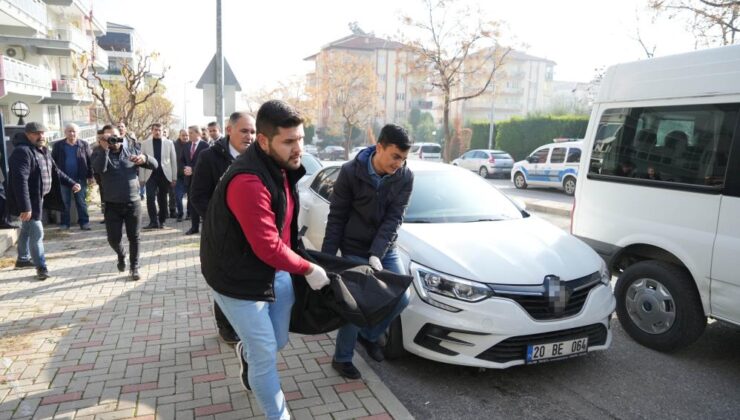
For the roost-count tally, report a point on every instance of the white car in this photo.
(426, 151)
(552, 165)
(355, 151)
(493, 286)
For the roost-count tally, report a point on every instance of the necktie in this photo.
(192, 150)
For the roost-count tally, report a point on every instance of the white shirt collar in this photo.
(234, 153)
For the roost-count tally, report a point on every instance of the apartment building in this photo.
(120, 43)
(524, 84)
(398, 91)
(40, 42)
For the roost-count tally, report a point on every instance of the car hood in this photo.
(521, 251)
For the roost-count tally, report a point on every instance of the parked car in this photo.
(312, 149)
(552, 165)
(493, 285)
(486, 162)
(662, 196)
(332, 153)
(355, 151)
(426, 151)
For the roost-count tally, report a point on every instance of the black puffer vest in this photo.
(228, 262)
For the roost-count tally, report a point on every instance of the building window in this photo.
(400, 96)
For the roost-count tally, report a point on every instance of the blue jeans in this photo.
(180, 192)
(31, 243)
(347, 335)
(263, 328)
(67, 195)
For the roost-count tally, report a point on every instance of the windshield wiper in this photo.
(485, 219)
(418, 221)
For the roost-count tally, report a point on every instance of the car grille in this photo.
(515, 348)
(539, 307)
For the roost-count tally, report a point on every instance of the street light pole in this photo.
(219, 68)
(491, 125)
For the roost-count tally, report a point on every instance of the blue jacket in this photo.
(364, 220)
(84, 169)
(24, 180)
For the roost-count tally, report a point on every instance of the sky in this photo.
(267, 41)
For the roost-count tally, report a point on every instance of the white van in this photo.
(426, 151)
(553, 165)
(659, 192)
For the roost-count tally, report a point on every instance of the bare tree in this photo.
(119, 97)
(712, 22)
(649, 51)
(347, 85)
(293, 91)
(458, 51)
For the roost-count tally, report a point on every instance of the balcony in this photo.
(68, 92)
(29, 14)
(23, 79)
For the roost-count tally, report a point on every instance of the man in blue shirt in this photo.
(72, 156)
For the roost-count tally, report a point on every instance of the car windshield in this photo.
(452, 196)
(310, 163)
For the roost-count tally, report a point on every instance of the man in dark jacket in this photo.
(212, 163)
(190, 160)
(31, 177)
(248, 249)
(117, 167)
(73, 157)
(366, 209)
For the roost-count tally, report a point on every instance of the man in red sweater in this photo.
(247, 249)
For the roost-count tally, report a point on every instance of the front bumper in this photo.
(481, 332)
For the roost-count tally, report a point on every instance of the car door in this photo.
(465, 159)
(315, 206)
(555, 164)
(536, 170)
(725, 282)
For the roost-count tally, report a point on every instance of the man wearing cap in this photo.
(30, 178)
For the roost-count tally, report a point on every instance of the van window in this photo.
(558, 155)
(540, 155)
(431, 148)
(682, 144)
(574, 155)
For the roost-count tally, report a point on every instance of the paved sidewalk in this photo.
(90, 344)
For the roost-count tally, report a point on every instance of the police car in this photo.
(552, 165)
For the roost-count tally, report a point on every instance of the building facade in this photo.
(40, 43)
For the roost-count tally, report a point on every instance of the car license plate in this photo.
(537, 353)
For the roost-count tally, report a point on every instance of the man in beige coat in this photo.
(159, 181)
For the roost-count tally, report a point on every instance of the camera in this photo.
(112, 140)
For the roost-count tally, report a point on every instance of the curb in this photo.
(394, 406)
(8, 238)
(549, 207)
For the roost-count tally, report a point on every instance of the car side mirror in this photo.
(530, 159)
(519, 203)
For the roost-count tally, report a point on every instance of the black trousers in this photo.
(157, 188)
(171, 200)
(118, 214)
(194, 216)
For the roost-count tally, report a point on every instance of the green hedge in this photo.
(480, 134)
(520, 136)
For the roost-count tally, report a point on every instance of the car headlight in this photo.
(429, 281)
(606, 275)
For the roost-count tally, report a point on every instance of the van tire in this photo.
(519, 181)
(569, 185)
(483, 172)
(682, 298)
(394, 344)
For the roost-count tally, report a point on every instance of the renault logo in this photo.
(557, 294)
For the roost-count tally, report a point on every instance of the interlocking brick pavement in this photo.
(89, 343)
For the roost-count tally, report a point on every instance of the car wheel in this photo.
(569, 185)
(519, 181)
(394, 344)
(483, 171)
(659, 306)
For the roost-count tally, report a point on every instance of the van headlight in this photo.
(429, 281)
(606, 275)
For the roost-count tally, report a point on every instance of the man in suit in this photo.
(159, 181)
(190, 159)
(181, 145)
(214, 132)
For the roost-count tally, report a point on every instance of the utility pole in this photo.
(219, 68)
(491, 125)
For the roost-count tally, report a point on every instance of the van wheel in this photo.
(658, 305)
(519, 181)
(394, 344)
(483, 171)
(569, 185)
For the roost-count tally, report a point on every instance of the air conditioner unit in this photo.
(15, 51)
